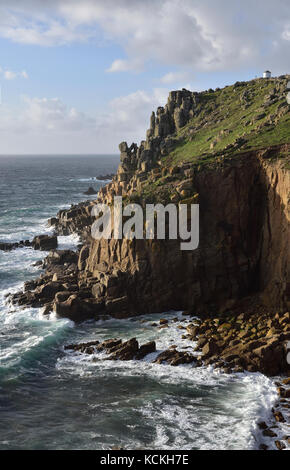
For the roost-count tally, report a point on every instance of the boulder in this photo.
(48, 291)
(91, 191)
(77, 309)
(174, 357)
(145, 349)
(126, 351)
(210, 349)
(8, 246)
(44, 242)
(60, 257)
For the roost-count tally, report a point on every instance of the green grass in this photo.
(223, 110)
(219, 111)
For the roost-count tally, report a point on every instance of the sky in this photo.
(80, 76)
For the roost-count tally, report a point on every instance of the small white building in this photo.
(267, 74)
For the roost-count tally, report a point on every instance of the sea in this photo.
(54, 399)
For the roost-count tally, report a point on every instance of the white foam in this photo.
(235, 402)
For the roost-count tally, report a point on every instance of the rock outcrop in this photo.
(91, 191)
(136, 161)
(253, 341)
(77, 219)
(244, 233)
(44, 242)
(242, 188)
(116, 349)
(40, 242)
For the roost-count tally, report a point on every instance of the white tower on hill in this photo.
(267, 74)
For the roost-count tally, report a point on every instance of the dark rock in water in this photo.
(174, 358)
(269, 433)
(47, 309)
(78, 309)
(77, 219)
(279, 417)
(82, 347)
(52, 221)
(44, 242)
(105, 177)
(13, 246)
(91, 191)
(37, 263)
(30, 285)
(116, 349)
(8, 246)
(280, 445)
(145, 349)
(262, 425)
(126, 351)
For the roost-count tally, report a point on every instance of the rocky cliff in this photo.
(228, 150)
(244, 234)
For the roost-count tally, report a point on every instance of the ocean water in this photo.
(54, 399)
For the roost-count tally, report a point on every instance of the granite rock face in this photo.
(180, 108)
(77, 219)
(244, 228)
(244, 232)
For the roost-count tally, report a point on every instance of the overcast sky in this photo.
(81, 76)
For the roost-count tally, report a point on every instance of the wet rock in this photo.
(12, 246)
(286, 381)
(60, 257)
(174, 358)
(262, 425)
(91, 191)
(44, 242)
(279, 417)
(269, 433)
(8, 246)
(210, 349)
(49, 290)
(86, 348)
(280, 445)
(47, 309)
(126, 351)
(78, 309)
(145, 349)
(109, 176)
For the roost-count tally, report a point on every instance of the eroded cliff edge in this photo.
(227, 150)
(241, 185)
(244, 235)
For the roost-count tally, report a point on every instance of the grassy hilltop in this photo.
(227, 123)
(247, 115)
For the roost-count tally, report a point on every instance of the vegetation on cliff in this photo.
(227, 150)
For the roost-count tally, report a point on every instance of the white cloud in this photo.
(128, 116)
(120, 65)
(174, 77)
(24, 74)
(10, 75)
(52, 114)
(47, 125)
(203, 35)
